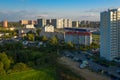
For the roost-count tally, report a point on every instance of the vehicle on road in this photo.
(84, 64)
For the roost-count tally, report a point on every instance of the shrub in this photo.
(20, 67)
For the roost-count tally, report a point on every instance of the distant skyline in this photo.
(14, 10)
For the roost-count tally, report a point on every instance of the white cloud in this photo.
(26, 14)
(17, 15)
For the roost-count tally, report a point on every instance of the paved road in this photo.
(108, 71)
(87, 74)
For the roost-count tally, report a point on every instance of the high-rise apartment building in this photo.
(31, 22)
(5, 23)
(41, 22)
(23, 22)
(85, 23)
(26, 22)
(48, 22)
(67, 23)
(75, 24)
(94, 24)
(57, 23)
(110, 34)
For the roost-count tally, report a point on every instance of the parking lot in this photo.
(86, 73)
(78, 56)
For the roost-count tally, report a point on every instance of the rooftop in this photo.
(79, 29)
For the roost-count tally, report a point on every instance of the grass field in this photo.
(30, 75)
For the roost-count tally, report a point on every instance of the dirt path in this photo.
(87, 74)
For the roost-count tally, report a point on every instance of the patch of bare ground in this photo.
(87, 74)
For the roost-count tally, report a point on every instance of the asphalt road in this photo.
(110, 71)
(87, 74)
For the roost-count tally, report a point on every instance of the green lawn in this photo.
(30, 75)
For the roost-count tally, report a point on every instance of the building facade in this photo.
(26, 22)
(5, 23)
(67, 23)
(41, 22)
(48, 28)
(29, 26)
(23, 31)
(78, 36)
(31, 22)
(57, 23)
(48, 22)
(23, 22)
(75, 24)
(110, 34)
(94, 24)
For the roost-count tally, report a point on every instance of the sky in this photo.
(15, 10)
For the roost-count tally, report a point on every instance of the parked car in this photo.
(84, 64)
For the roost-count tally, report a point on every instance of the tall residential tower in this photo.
(41, 22)
(5, 23)
(110, 34)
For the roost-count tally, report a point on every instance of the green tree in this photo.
(20, 67)
(38, 31)
(2, 71)
(94, 45)
(70, 44)
(44, 38)
(1, 66)
(54, 40)
(14, 33)
(31, 37)
(38, 38)
(83, 48)
(4, 59)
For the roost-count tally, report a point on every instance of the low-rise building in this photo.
(23, 32)
(1, 34)
(78, 36)
(48, 28)
(29, 26)
(59, 35)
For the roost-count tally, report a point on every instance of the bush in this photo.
(20, 67)
(6, 62)
(2, 71)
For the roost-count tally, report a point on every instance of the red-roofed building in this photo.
(78, 36)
